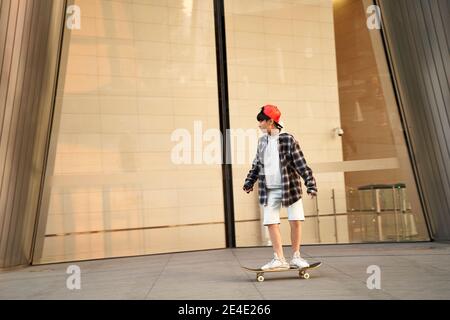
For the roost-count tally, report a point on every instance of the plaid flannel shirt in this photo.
(293, 166)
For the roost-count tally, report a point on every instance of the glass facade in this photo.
(133, 74)
(326, 70)
(140, 76)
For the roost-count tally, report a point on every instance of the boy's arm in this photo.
(252, 175)
(302, 168)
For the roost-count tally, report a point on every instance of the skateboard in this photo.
(302, 273)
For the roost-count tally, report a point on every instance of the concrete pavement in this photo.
(408, 271)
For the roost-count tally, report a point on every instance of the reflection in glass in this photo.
(327, 72)
(135, 72)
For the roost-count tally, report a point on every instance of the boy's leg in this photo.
(275, 237)
(296, 216)
(296, 235)
(271, 214)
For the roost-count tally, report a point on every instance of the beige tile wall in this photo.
(282, 52)
(136, 71)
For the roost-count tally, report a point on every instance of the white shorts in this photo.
(271, 212)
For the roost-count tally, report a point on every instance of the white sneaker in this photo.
(276, 264)
(298, 262)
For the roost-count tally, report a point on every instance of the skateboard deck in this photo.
(302, 272)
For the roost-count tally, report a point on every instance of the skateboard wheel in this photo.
(260, 278)
(306, 276)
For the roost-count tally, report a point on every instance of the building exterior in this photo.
(128, 126)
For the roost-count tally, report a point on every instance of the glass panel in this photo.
(134, 73)
(325, 69)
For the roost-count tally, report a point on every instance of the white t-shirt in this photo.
(272, 169)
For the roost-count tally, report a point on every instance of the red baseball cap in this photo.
(272, 112)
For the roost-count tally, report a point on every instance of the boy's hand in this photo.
(312, 194)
